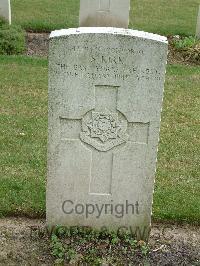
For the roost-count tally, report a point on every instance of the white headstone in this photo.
(105, 98)
(198, 25)
(5, 10)
(104, 13)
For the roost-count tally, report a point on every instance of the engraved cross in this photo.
(104, 5)
(102, 130)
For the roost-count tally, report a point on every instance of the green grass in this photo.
(159, 16)
(23, 134)
(177, 194)
(45, 15)
(23, 127)
(166, 17)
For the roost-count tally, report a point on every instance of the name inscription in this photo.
(100, 66)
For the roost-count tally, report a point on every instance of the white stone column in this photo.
(5, 10)
(198, 25)
(104, 13)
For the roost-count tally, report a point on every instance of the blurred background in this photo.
(166, 17)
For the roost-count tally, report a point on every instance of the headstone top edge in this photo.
(108, 30)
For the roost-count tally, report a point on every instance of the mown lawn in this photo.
(23, 135)
(166, 17)
(177, 192)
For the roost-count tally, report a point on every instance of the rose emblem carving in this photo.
(104, 126)
(103, 130)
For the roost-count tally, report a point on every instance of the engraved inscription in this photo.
(98, 65)
(107, 67)
(101, 72)
(107, 60)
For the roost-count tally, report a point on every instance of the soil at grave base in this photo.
(37, 45)
(21, 243)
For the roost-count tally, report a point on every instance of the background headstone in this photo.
(105, 98)
(5, 10)
(198, 25)
(104, 13)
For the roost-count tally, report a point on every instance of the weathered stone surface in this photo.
(5, 11)
(105, 98)
(104, 13)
